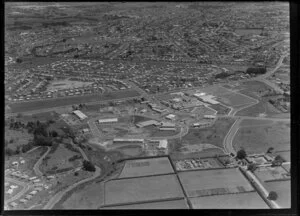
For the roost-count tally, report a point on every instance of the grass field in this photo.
(132, 151)
(286, 155)
(212, 135)
(172, 204)
(142, 189)
(90, 197)
(214, 182)
(17, 137)
(204, 153)
(144, 167)
(257, 109)
(254, 122)
(249, 200)
(283, 190)
(259, 139)
(271, 173)
(59, 159)
(44, 104)
(221, 110)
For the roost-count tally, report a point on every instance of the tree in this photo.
(241, 154)
(9, 152)
(252, 167)
(272, 195)
(270, 150)
(88, 166)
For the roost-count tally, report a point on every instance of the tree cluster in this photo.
(257, 70)
(88, 166)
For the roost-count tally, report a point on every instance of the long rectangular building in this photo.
(127, 141)
(109, 120)
(79, 114)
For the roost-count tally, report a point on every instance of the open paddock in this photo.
(250, 200)
(66, 101)
(283, 190)
(172, 204)
(144, 167)
(134, 190)
(286, 155)
(271, 173)
(214, 182)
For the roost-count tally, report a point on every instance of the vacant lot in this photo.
(214, 182)
(221, 110)
(65, 101)
(249, 200)
(145, 167)
(172, 204)
(132, 151)
(212, 135)
(263, 107)
(142, 189)
(259, 139)
(283, 190)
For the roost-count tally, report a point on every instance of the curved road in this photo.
(36, 166)
(57, 197)
(26, 187)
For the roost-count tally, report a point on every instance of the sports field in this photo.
(134, 190)
(283, 190)
(65, 101)
(249, 200)
(214, 182)
(144, 167)
(172, 204)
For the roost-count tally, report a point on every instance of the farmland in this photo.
(259, 139)
(142, 189)
(283, 190)
(271, 173)
(249, 200)
(214, 182)
(172, 204)
(51, 103)
(144, 167)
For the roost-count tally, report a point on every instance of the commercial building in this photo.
(108, 121)
(79, 114)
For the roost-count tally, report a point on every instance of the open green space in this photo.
(146, 167)
(65, 101)
(172, 204)
(134, 190)
(214, 182)
(283, 190)
(250, 200)
(212, 135)
(259, 139)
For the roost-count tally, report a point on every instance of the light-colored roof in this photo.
(127, 140)
(147, 123)
(108, 120)
(79, 114)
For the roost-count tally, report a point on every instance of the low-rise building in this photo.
(79, 114)
(108, 121)
(147, 123)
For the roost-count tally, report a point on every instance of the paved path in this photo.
(36, 166)
(25, 186)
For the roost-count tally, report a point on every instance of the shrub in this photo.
(272, 195)
(88, 166)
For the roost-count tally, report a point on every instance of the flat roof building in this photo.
(109, 120)
(147, 123)
(79, 114)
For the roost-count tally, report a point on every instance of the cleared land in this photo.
(249, 200)
(259, 139)
(65, 101)
(142, 189)
(283, 190)
(214, 182)
(144, 167)
(172, 204)
(212, 135)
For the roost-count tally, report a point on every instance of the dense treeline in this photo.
(257, 70)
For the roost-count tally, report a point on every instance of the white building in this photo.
(147, 123)
(171, 117)
(109, 120)
(209, 116)
(79, 114)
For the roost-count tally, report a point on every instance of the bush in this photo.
(258, 70)
(88, 166)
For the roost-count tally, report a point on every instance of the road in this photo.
(58, 196)
(257, 184)
(25, 186)
(36, 166)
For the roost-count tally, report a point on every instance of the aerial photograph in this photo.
(147, 105)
